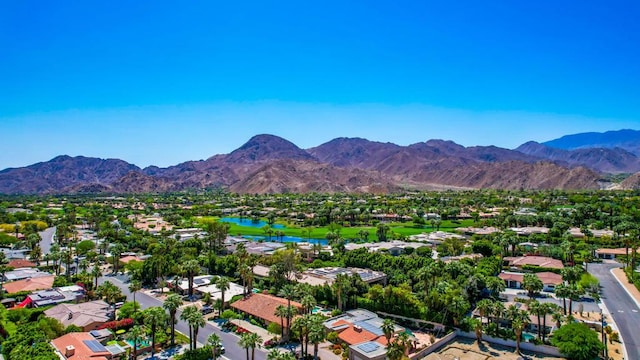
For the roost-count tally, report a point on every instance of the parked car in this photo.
(206, 310)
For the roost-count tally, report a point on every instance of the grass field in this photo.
(406, 229)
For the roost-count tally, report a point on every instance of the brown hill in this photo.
(609, 160)
(269, 164)
(631, 183)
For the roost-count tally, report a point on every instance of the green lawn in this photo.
(291, 229)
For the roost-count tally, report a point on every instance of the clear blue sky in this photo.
(161, 82)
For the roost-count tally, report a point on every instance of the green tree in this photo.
(135, 335)
(155, 319)
(134, 286)
(250, 341)
(532, 284)
(191, 268)
(172, 303)
(388, 328)
(577, 342)
(196, 320)
(216, 344)
(223, 284)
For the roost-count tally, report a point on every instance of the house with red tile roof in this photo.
(263, 306)
(21, 263)
(515, 280)
(80, 346)
(31, 284)
(540, 261)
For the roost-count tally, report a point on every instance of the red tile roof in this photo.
(541, 261)
(21, 263)
(33, 284)
(263, 306)
(352, 336)
(81, 351)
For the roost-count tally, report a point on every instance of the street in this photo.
(47, 239)
(624, 310)
(229, 340)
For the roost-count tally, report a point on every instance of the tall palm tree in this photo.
(301, 326)
(484, 307)
(223, 284)
(250, 341)
(96, 272)
(316, 333)
(476, 325)
(135, 335)
(519, 321)
(155, 319)
(562, 291)
(340, 285)
(171, 304)
(308, 302)
(191, 268)
(395, 351)
(109, 292)
(388, 328)
(281, 312)
(215, 343)
(196, 320)
(535, 308)
(288, 292)
(134, 286)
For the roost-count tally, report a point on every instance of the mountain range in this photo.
(270, 164)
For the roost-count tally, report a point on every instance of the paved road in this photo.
(47, 239)
(229, 340)
(623, 309)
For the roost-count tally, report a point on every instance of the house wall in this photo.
(543, 349)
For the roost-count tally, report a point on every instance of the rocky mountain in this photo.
(608, 160)
(631, 183)
(63, 172)
(269, 164)
(625, 139)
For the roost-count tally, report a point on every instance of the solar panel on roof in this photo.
(94, 333)
(370, 327)
(369, 347)
(94, 345)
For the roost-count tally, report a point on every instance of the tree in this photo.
(109, 292)
(134, 286)
(519, 320)
(215, 343)
(154, 318)
(381, 231)
(223, 284)
(96, 272)
(171, 304)
(388, 328)
(577, 342)
(288, 292)
(191, 268)
(476, 325)
(196, 320)
(250, 341)
(135, 335)
(308, 302)
(281, 312)
(316, 333)
(484, 307)
(116, 251)
(532, 284)
(340, 284)
(562, 291)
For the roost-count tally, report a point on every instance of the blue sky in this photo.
(157, 82)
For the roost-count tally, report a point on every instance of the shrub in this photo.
(117, 325)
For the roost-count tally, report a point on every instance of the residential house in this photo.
(29, 284)
(263, 307)
(87, 316)
(539, 261)
(20, 263)
(72, 293)
(81, 346)
(515, 280)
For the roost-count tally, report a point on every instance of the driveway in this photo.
(623, 309)
(229, 340)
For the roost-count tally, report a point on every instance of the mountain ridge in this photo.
(268, 163)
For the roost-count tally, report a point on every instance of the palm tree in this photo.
(155, 318)
(562, 291)
(96, 272)
(484, 307)
(109, 292)
(535, 308)
(476, 325)
(288, 291)
(215, 343)
(388, 328)
(250, 341)
(340, 284)
(116, 251)
(308, 302)
(191, 268)
(301, 326)
(223, 284)
(519, 320)
(196, 320)
(395, 351)
(171, 304)
(134, 286)
(281, 312)
(135, 335)
(316, 333)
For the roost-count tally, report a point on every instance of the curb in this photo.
(624, 348)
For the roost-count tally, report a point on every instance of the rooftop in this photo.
(263, 306)
(80, 346)
(541, 261)
(82, 314)
(39, 283)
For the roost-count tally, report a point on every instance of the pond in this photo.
(247, 222)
